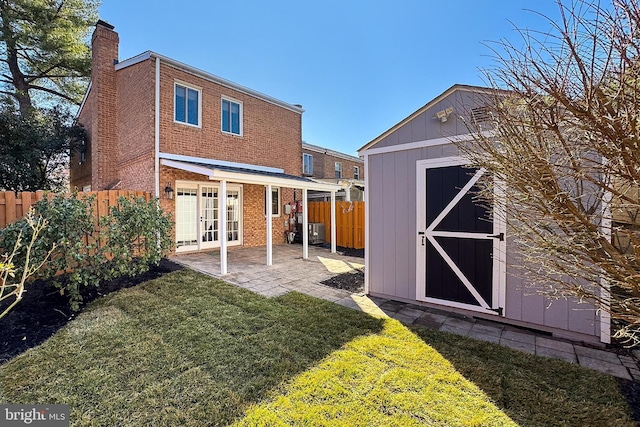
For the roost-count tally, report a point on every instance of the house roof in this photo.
(249, 175)
(207, 76)
(318, 149)
(452, 89)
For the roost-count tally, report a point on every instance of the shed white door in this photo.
(460, 244)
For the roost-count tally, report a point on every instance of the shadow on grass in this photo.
(534, 391)
(184, 349)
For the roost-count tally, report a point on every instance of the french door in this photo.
(460, 241)
(198, 213)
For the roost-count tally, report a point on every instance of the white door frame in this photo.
(198, 185)
(428, 234)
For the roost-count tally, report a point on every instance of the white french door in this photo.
(198, 213)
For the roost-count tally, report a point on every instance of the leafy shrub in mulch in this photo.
(89, 250)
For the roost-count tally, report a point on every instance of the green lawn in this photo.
(190, 350)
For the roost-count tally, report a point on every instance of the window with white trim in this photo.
(275, 201)
(231, 116)
(307, 164)
(187, 105)
(356, 172)
(338, 169)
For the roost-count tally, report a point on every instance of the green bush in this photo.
(134, 235)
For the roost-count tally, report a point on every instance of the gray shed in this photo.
(428, 243)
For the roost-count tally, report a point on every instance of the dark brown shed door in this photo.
(457, 240)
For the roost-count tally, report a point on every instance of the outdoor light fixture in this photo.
(443, 115)
(168, 191)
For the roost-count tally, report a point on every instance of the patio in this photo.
(290, 272)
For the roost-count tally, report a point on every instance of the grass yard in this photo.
(187, 349)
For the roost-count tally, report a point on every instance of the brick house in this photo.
(332, 166)
(192, 139)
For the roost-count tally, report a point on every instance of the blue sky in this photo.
(358, 67)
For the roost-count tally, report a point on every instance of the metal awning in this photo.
(260, 175)
(269, 177)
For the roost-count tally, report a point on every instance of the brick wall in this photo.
(99, 116)
(324, 165)
(135, 126)
(80, 173)
(272, 135)
(104, 159)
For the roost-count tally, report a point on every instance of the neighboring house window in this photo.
(275, 201)
(187, 105)
(307, 164)
(356, 172)
(231, 116)
(338, 168)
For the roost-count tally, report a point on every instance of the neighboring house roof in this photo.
(456, 87)
(207, 76)
(318, 149)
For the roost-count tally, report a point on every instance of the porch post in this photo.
(269, 226)
(223, 227)
(333, 222)
(305, 225)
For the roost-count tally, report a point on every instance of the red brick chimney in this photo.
(104, 147)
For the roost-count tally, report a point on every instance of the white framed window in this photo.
(338, 169)
(231, 116)
(187, 104)
(307, 164)
(356, 172)
(275, 201)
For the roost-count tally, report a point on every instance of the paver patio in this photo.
(290, 272)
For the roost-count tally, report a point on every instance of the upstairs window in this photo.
(338, 169)
(231, 117)
(307, 164)
(187, 105)
(356, 172)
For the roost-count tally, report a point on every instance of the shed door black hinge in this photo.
(498, 236)
(498, 310)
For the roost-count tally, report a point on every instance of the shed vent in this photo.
(481, 114)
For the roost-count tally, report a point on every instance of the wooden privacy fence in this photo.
(349, 222)
(14, 207)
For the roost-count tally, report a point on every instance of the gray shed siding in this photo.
(391, 187)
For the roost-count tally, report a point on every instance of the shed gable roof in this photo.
(421, 110)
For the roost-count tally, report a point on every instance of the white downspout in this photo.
(157, 132)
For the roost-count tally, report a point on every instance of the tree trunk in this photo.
(21, 86)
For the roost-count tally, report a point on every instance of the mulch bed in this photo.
(43, 311)
(352, 281)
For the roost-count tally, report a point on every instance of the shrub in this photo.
(89, 250)
(136, 229)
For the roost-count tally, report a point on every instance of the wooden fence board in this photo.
(349, 222)
(13, 208)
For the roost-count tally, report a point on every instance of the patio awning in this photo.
(261, 176)
(269, 177)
